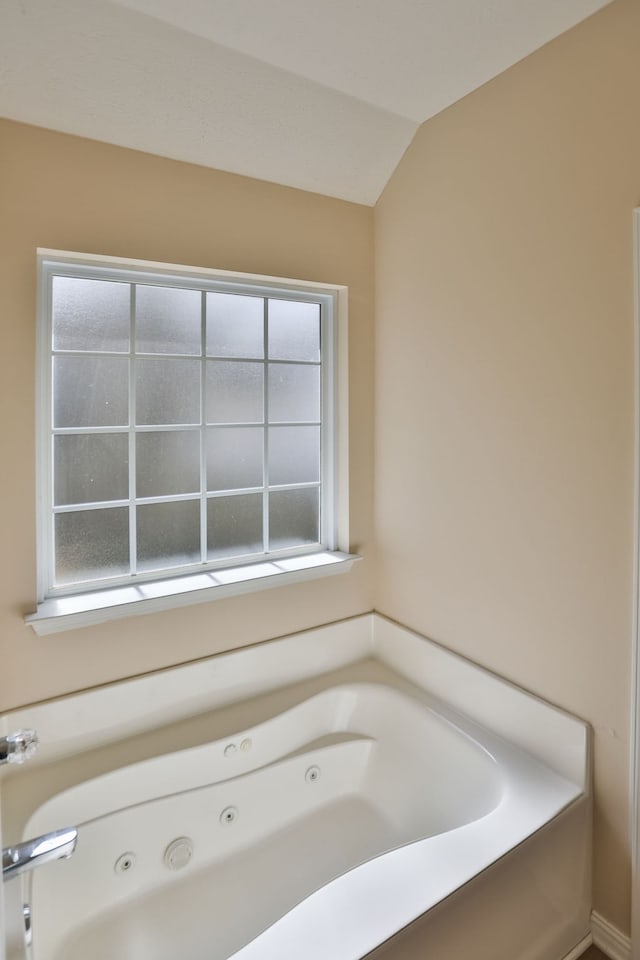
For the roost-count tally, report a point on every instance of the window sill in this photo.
(86, 609)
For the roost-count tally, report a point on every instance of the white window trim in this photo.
(89, 606)
(114, 603)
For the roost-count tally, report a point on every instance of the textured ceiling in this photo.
(325, 96)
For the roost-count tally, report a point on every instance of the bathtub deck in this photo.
(308, 867)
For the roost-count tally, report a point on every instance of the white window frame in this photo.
(60, 608)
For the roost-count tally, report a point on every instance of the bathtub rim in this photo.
(80, 721)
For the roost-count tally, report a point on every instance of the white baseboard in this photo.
(580, 948)
(608, 938)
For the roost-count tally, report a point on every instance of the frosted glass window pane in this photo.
(167, 391)
(90, 315)
(235, 325)
(234, 526)
(294, 455)
(168, 320)
(91, 545)
(91, 469)
(167, 463)
(294, 330)
(293, 518)
(234, 457)
(294, 392)
(168, 534)
(90, 392)
(234, 392)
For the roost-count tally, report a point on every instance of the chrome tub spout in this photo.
(58, 845)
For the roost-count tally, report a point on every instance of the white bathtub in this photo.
(313, 817)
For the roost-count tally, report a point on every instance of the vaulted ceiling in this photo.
(322, 95)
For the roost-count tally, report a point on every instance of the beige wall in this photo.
(504, 385)
(72, 194)
(504, 389)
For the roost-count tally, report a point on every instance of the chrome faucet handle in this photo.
(18, 747)
(58, 845)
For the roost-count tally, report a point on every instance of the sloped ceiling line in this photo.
(325, 95)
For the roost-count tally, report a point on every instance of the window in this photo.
(188, 424)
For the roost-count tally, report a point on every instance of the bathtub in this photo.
(306, 798)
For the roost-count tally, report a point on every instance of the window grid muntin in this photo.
(266, 291)
(133, 515)
(204, 537)
(265, 431)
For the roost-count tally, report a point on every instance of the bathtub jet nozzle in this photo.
(58, 845)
